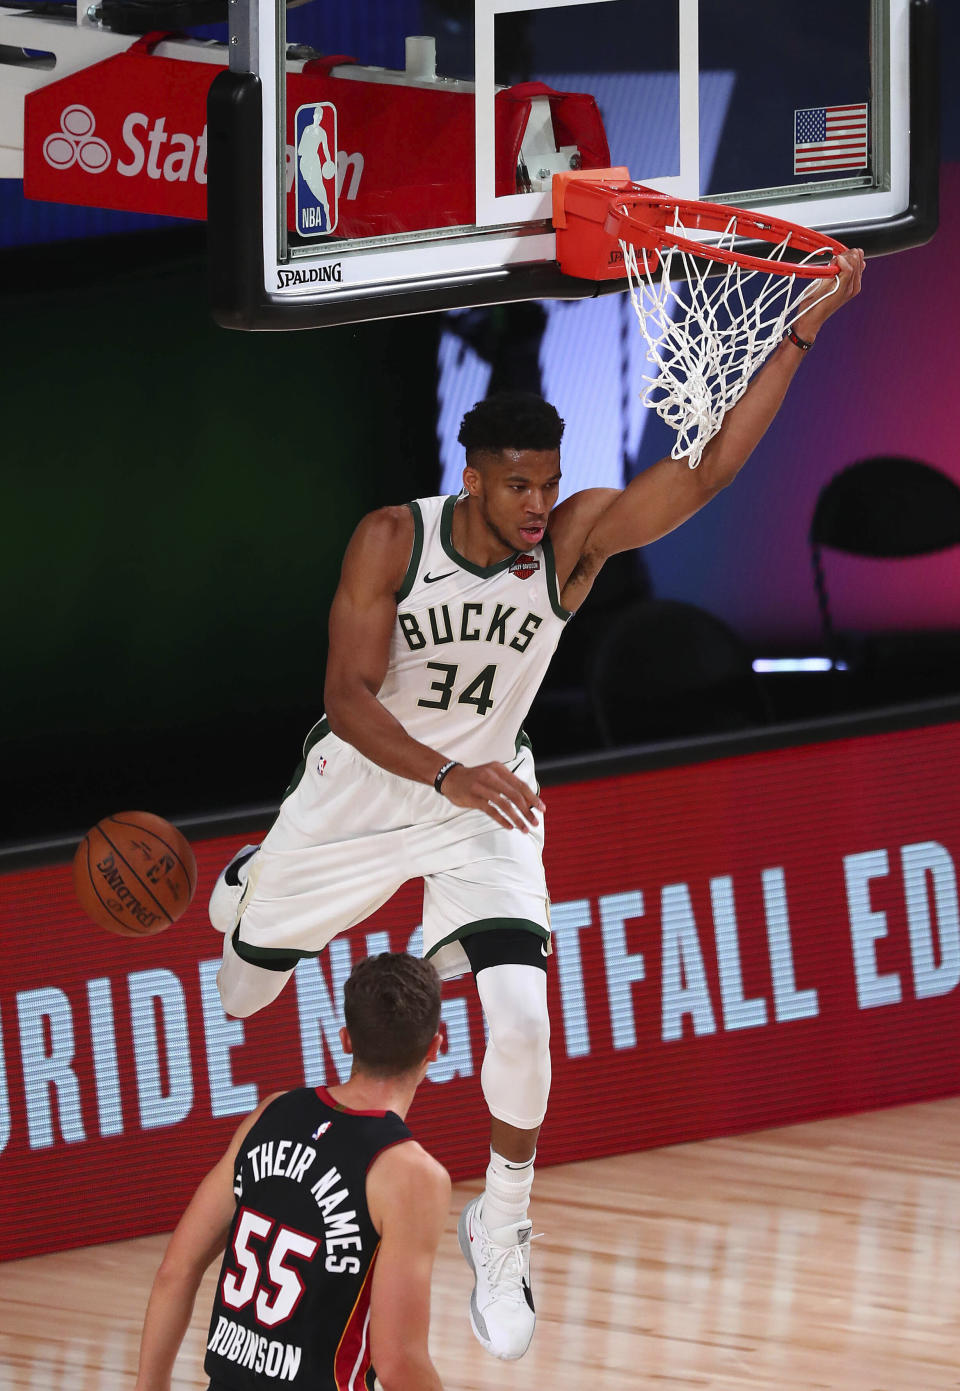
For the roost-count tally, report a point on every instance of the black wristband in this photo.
(797, 341)
(438, 780)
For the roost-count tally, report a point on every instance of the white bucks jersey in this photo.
(472, 643)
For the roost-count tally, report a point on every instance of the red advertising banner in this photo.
(742, 943)
(130, 133)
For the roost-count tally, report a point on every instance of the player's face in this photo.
(517, 492)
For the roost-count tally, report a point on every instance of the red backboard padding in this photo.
(405, 156)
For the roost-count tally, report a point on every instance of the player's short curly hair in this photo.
(510, 420)
(391, 1006)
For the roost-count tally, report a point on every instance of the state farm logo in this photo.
(75, 142)
(174, 156)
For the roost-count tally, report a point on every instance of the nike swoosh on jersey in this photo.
(432, 579)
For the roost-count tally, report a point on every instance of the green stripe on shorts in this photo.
(269, 958)
(489, 925)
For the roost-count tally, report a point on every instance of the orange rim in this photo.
(625, 222)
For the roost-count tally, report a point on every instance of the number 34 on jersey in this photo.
(472, 624)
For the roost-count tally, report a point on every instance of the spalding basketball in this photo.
(134, 874)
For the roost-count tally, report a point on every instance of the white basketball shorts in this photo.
(349, 834)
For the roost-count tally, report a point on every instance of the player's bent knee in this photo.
(514, 1000)
(236, 1001)
(245, 988)
(525, 1034)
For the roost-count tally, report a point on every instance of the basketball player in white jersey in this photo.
(444, 622)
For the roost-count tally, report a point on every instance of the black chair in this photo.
(888, 508)
(665, 670)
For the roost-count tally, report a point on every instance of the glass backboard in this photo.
(369, 159)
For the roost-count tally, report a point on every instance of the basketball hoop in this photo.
(710, 309)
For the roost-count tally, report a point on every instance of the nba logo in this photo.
(316, 137)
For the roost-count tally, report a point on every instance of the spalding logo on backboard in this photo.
(316, 144)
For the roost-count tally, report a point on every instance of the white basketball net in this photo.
(707, 336)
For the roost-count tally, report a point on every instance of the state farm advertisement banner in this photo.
(131, 133)
(742, 943)
(363, 159)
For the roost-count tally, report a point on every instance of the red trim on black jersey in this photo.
(351, 1361)
(401, 1140)
(328, 1100)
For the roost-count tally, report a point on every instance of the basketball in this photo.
(134, 874)
(329, 169)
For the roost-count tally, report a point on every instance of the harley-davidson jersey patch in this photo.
(524, 566)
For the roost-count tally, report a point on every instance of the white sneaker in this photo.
(228, 890)
(501, 1306)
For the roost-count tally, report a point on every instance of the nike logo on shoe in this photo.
(432, 579)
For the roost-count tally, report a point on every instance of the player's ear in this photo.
(345, 1042)
(472, 480)
(434, 1049)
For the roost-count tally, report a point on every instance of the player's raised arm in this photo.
(408, 1195)
(198, 1239)
(666, 494)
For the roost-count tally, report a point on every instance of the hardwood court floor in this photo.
(822, 1256)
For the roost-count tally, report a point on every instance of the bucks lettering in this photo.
(470, 644)
(494, 624)
(470, 622)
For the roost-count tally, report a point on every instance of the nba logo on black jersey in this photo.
(315, 132)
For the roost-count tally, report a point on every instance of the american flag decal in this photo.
(829, 138)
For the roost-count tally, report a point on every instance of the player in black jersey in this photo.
(328, 1213)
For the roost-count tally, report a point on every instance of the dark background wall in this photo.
(177, 501)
